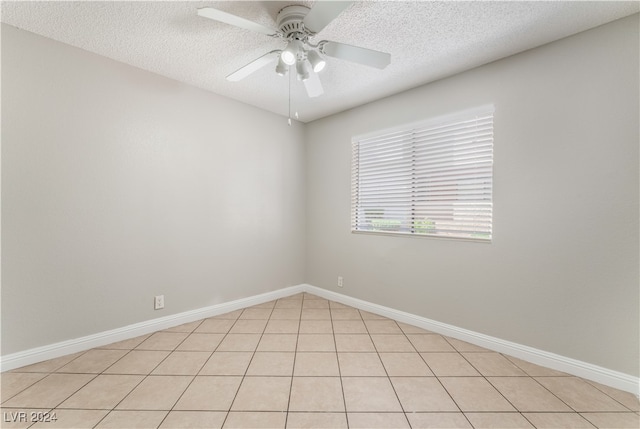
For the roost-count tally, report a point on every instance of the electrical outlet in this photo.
(339, 281)
(158, 302)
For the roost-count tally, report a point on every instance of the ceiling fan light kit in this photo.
(297, 25)
(290, 24)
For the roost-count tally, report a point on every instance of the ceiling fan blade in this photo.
(313, 85)
(365, 56)
(322, 13)
(253, 66)
(227, 18)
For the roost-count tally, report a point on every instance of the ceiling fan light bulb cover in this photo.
(290, 53)
(282, 68)
(319, 67)
(317, 62)
(302, 67)
(288, 57)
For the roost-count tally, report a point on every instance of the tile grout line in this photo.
(603, 391)
(293, 367)
(198, 372)
(97, 375)
(385, 369)
(436, 376)
(250, 360)
(26, 387)
(491, 384)
(145, 376)
(335, 345)
(47, 375)
(540, 384)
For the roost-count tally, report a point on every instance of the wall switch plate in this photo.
(339, 281)
(158, 302)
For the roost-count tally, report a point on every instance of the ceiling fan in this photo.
(297, 25)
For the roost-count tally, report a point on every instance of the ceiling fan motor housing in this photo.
(289, 22)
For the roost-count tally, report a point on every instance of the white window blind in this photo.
(433, 178)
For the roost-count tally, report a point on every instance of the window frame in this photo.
(486, 207)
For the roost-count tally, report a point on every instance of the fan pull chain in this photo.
(289, 120)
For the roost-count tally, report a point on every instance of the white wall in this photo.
(562, 273)
(118, 185)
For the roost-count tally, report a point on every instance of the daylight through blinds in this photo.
(433, 178)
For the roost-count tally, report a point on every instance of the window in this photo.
(432, 178)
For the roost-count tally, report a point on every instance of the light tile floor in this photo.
(303, 362)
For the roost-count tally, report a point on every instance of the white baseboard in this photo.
(575, 367)
(571, 366)
(51, 351)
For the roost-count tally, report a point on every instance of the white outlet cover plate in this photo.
(159, 302)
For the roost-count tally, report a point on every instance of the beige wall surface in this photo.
(118, 185)
(561, 274)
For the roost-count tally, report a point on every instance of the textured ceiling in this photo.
(427, 40)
